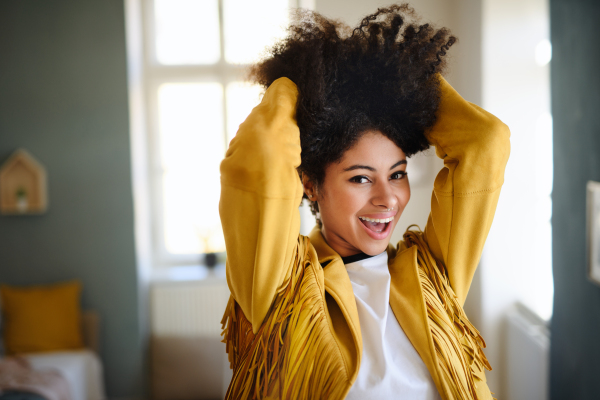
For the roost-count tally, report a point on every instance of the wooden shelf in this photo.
(23, 187)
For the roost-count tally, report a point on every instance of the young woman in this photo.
(342, 313)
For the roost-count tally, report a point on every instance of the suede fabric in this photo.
(261, 192)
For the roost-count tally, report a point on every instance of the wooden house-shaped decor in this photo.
(22, 185)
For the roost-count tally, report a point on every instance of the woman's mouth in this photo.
(377, 228)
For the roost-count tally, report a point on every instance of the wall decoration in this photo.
(593, 231)
(23, 187)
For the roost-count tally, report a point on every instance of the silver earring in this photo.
(389, 209)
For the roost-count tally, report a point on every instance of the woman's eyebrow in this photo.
(398, 163)
(360, 167)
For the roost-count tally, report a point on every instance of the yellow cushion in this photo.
(41, 318)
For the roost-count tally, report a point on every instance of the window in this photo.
(196, 54)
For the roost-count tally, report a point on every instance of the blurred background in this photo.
(124, 110)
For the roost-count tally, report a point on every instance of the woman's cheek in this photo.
(403, 199)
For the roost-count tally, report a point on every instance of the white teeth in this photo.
(385, 220)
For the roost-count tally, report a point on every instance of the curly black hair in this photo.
(381, 75)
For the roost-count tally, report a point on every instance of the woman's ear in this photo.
(309, 188)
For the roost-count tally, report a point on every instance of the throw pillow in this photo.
(41, 318)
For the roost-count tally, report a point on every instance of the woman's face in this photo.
(357, 193)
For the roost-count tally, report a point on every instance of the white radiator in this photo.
(188, 308)
(528, 346)
(189, 361)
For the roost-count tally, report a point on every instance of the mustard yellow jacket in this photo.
(291, 326)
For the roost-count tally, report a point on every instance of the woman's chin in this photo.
(373, 247)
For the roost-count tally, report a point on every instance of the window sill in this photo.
(190, 273)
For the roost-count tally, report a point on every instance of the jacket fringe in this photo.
(458, 345)
(293, 355)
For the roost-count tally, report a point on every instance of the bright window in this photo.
(197, 53)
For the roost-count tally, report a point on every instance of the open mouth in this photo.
(377, 228)
(376, 225)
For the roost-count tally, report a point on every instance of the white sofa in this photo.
(82, 369)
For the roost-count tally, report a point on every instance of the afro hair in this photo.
(381, 75)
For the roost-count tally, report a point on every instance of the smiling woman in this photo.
(342, 313)
(361, 195)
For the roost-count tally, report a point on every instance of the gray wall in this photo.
(575, 348)
(63, 97)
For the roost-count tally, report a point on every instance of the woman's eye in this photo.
(399, 175)
(359, 179)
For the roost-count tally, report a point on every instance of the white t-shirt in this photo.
(390, 366)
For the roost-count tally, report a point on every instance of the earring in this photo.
(389, 209)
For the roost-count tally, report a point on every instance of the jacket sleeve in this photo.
(260, 196)
(475, 147)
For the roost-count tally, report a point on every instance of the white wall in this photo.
(515, 266)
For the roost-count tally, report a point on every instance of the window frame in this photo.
(154, 75)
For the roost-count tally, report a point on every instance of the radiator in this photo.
(528, 346)
(188, 308)
(188, 360)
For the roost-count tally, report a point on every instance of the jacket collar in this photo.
(339, 287)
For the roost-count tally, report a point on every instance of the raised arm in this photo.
(260, 195)
(475, 146)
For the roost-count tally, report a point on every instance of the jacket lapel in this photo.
(339, 287)
(406, 300)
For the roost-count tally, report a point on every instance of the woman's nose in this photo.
(384, 196)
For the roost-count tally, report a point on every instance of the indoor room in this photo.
(119, 275)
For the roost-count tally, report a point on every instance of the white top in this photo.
(390, 366)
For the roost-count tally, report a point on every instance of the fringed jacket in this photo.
(291, 327)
